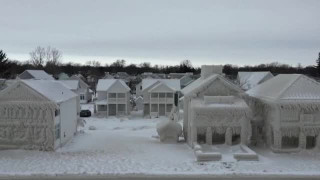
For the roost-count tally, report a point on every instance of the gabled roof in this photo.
(50, 89)
(105, 84)
(161, 87)
(201, 82)
(172, 83)
(82, 83)
(249, 80)
(39, 74)
(287, 87)
(70, 84)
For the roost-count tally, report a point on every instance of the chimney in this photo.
(208, 70)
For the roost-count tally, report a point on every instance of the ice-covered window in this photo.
(306, 118)
(154, 107)
(112, 95)
(121, 95)
(169, 95)
(169, 107)
(154, 95)
(289, 115)
(162, 95)
(57, 131)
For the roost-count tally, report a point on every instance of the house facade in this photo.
(82, 89)
(159, 96)
(113, 97)
(287, 112)
(37, 115)
(214, 111)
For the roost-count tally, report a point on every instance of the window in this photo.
(154, 95)
(102, 107)
(56, 112)
(169, 107)
(121, 95)
(57, 131)
(162, 95)
(140, 87)
(169, 95)
(154, 107)
(112, 95)
(81, 96)
(121, 107)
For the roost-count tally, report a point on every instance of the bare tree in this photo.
(53, 56)
(37, 57)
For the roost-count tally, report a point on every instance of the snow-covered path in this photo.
(130, 147)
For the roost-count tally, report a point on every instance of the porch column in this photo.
(228, 136)
(107, 109)
(277, 139)
(150, 105)
(318, 141)
(126, 104)
(209, 136)
(194, 135)
(302, 140)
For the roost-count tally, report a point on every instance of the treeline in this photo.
(52, 64)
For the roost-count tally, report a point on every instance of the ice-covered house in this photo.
(37, 114)
(113, 97)
(248, 80)
(287, 112)
(214, 111)
(159, 96)
(35, 74)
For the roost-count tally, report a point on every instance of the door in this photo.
(162, 110)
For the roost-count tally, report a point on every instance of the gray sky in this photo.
(164, 31)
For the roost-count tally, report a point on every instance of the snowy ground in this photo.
(129, 146)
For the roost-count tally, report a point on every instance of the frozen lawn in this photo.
(130, 146)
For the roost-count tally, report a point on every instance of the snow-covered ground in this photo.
(124, 146)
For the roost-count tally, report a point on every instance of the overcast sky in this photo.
(164, 31)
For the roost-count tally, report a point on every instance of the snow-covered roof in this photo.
(161, 87)
(105, 84)
(200, 82)
(79, 77)
(39, 74)
(249, 80)
(70, 84)
(53, 90)
(172, 83)
(287, 87)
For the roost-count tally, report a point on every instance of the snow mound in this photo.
(169, 131)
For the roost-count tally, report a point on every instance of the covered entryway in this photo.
(112, 110)
(162, 110)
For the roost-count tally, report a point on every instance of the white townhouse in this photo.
(159, 96)
(37, 115)
(35, 74)
(83, 90)
(113, 97)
